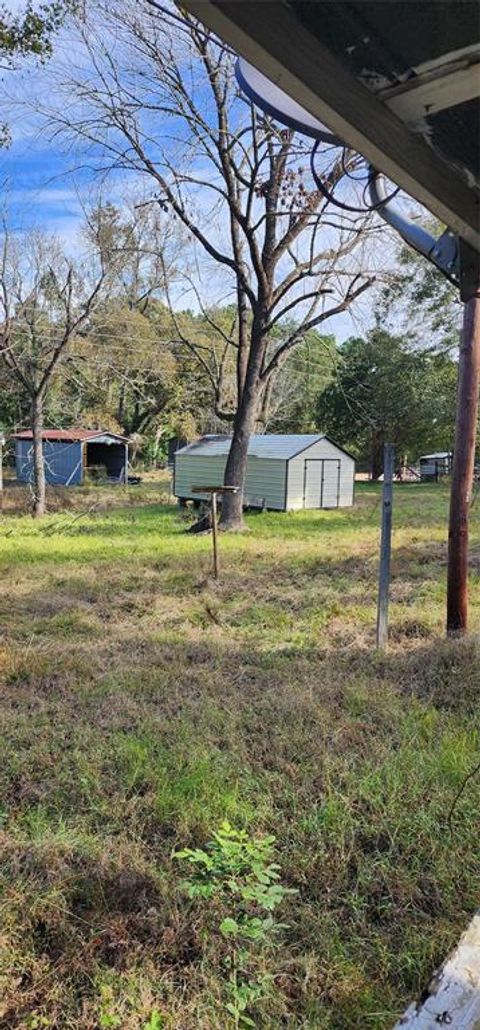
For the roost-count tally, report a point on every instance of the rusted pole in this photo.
(214, 536)
(464, 454)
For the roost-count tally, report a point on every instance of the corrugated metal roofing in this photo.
(68, 435)
(274, 445)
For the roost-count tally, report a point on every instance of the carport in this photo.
(72, 454)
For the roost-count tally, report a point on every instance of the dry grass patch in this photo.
(142, 704)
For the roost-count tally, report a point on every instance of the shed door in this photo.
(321, 483)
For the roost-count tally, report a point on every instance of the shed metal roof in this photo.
(68, 435)
(269, 445)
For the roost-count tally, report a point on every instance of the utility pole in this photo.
(464, 448)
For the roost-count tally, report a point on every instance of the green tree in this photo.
(127, 367)
(306, 374)
(129, 373)
(420, 300)
(29, 33)
(385, 390)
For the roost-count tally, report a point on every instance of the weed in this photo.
(237, 871)
(107, 1016)
(155, 1021)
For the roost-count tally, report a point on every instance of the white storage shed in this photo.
(284, 472)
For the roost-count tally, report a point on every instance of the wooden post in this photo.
(213, 491)
(385, 547)
(214, 536)
(464, 452)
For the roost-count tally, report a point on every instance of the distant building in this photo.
(174, 444)
(284, 472)
(71, 453)
(434, 466)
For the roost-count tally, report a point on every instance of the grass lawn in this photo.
(142, 705)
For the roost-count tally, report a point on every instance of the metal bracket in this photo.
(443, 252)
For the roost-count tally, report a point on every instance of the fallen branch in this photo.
(473, 772)
(53, 527)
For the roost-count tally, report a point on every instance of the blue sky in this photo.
(34, 172)
(38, 189)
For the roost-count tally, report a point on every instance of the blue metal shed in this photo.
(69, 453)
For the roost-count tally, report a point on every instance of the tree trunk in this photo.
(377, 456)
(39, 488)
(243, 427)
(264, 413)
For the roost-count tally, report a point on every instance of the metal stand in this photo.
(214, 491)
(385, 547)
(2, 442)
(216, 567)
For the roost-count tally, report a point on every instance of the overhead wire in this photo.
(332, 199)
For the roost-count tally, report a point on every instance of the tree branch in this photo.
(299, 333)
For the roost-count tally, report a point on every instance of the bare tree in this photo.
(129, 346)
(46, 302)
(160, 100)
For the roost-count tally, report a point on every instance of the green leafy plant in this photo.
(107, 1016)
(155, 1021)
(235, 872)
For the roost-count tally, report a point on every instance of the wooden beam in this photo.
(270, 36)
(419, 98)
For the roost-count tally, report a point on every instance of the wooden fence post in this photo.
(385, 547)
(213, 491)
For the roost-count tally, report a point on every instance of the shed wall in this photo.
(265, 482)
(327, 450)
(63, 462)
(197, 470)
(266, 477)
